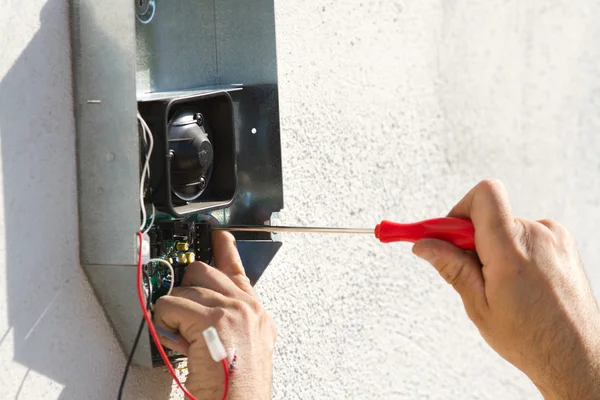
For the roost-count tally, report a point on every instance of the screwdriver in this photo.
(457, 231)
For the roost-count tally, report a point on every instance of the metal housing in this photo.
(186, 47)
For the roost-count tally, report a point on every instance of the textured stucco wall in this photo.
(389, 109)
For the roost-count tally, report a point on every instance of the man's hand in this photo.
(221, 297)
(527, 293)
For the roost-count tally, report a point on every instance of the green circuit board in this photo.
(180, 242)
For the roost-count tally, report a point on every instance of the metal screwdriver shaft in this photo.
(281, 229)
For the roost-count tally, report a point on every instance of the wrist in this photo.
(243, 389)
(251, 381)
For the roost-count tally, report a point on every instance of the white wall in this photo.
(389, 109)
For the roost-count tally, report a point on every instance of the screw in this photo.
(199, 118)
(141, 7)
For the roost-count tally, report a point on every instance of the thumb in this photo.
(460, 269)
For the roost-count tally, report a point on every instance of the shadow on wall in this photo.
(57, 326)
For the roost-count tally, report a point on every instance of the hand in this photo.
(527, 293)
(221, 297)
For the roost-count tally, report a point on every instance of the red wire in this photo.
(226, 373)
(154, 335)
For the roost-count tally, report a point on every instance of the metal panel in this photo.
(107, 141)
(246, 50)
(177, 48)
(108, 159)
(197, 43)
(256, 256)
(260, 184)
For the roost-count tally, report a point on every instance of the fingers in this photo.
(204, 293)
(229, 277)
(203, 275)
(488, 207)
(190, 319)
(227, 260)
(202, 296)
(460, 269)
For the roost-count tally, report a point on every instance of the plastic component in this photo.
(145, 249)
(182, 246)
(457, 231)
(190, 257)
(214, 344)
(191, 154)
(169, 335)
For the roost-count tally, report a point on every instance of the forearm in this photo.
(583, 388)
(580, 380)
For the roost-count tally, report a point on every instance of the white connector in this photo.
(145, 249)
(215, 346)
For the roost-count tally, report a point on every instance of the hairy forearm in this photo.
(579, 381)
(583, 388)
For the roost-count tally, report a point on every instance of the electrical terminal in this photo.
(232, 361)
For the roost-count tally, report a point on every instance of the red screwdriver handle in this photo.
(460, 232)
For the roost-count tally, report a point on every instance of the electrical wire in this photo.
(136, 340)
(151, 219)
(145, 138)
(154, 335)
(226, 374)
(130, 358)
(149, 291)
(147, 134)
(168, 264)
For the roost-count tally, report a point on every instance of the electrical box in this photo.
(203, 76)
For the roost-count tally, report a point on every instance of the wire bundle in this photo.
(148, 139)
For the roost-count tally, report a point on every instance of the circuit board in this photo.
(180, 242)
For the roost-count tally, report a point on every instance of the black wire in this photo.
(130, 358)
(136, 341)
